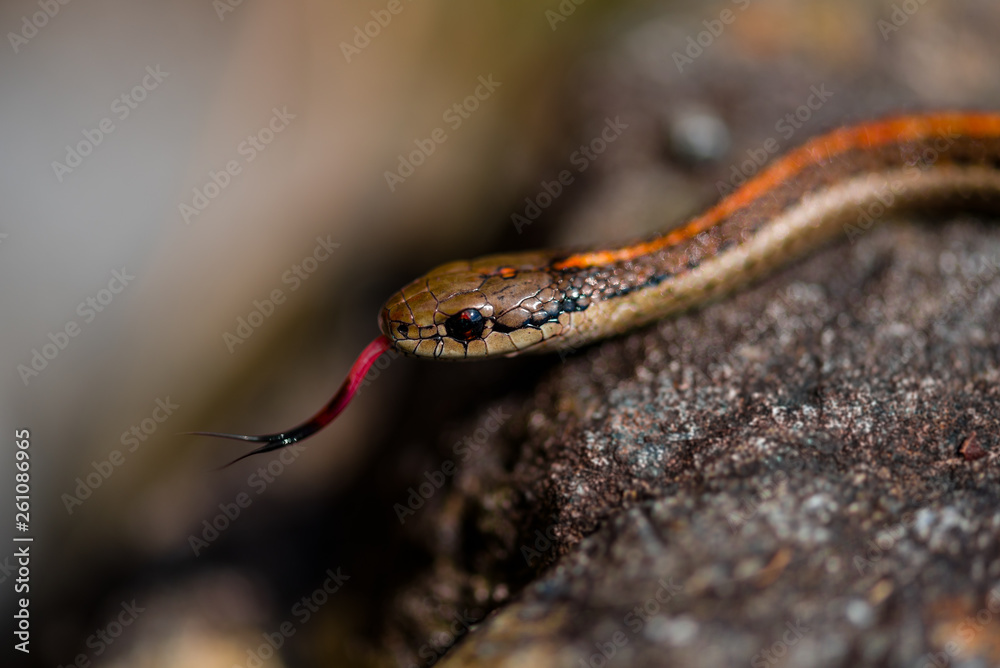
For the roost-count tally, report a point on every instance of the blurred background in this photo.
(205, 203)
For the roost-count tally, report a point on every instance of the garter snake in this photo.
(550, 300)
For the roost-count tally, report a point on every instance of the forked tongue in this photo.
(324, 417)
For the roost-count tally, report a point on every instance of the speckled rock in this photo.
(804, 475)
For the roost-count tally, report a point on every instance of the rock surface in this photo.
(804, 474)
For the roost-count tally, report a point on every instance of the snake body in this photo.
(543, 301)
(549, 300)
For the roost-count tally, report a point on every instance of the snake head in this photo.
(492, 306)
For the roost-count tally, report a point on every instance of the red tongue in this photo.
(325, 416)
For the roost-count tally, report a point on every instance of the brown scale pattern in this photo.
(526, 298)
(580, 287)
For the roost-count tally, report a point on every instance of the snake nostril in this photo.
(404, 330)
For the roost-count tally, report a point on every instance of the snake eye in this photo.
(465, 325)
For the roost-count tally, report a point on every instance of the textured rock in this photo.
(783, 477)
(803, 474)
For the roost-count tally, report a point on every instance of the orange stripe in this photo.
(818, 150)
